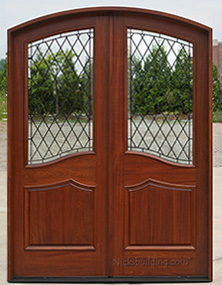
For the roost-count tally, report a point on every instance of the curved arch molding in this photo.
(59, 216)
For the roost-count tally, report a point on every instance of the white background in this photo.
(14, 12)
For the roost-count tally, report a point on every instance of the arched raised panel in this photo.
(159, 215)
(59, 216)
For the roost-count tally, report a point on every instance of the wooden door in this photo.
(57, 186)
(109, 148)
(160, 150)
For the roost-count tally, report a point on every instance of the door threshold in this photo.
(110, 279)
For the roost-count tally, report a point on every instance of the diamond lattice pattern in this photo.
(160, 96)
(60, 96)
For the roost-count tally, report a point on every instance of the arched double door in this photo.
(109, 148)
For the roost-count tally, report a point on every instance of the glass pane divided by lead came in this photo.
(60, 96)
(160, 96)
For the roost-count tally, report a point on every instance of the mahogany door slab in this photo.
(58, 217)
(157, 216)
(119, 209)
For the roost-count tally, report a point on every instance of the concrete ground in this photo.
(217, 210)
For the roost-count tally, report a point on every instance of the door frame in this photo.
(17, 50)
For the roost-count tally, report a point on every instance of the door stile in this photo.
(119, 133)
(15, 143)
(203, 144)
(109, 150)
(101, 83)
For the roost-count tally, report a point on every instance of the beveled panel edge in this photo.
(159, 184)
(60, 247)
(160, 247)
(61, 184)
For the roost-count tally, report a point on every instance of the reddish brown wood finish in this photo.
(134, 168)
(59, 215)
(111, 194)
(160, 214)
(34, 244)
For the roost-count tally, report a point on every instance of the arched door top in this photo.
(65, 16)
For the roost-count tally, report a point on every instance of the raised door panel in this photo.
(59, 216)
(159, 216)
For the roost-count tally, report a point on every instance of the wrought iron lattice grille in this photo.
(60, 96)
(160, 96)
